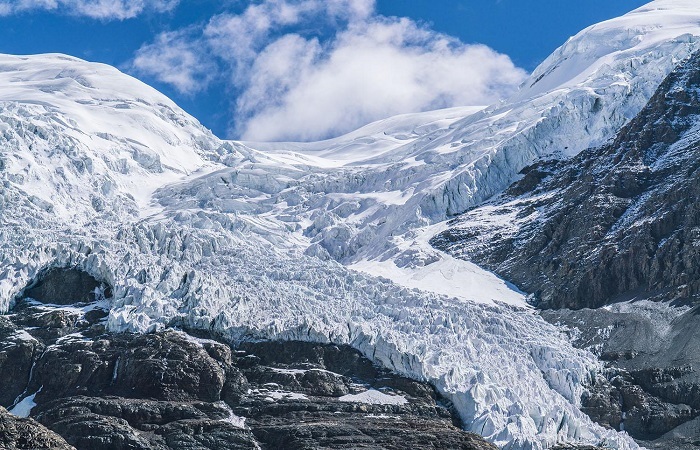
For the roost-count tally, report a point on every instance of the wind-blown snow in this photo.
(102, 172)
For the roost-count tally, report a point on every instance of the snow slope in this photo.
(92, 125)
(361, 197)
(210, 250)
(102, 172)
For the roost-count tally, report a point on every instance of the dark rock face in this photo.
(65, 286)
(651, 388)
(615, 227)
(119, 423)
(17, 433)
(576, 447)
(613, 223)
(169, 390)
(16, 359)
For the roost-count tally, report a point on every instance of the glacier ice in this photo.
(254, 240)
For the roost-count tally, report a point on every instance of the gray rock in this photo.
(16, 358)
(120, 423)
(169, 390)
(64, 286)
(17, 433)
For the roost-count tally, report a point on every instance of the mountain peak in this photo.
(618, 50)
(81, 134)
(103, 174)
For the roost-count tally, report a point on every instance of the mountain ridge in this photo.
(606, 243)
(249, 242)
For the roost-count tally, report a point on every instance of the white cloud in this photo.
(371, 72)
(238, 39)
(310, 69)
(96, 9)
(174, 58)
(280, 67)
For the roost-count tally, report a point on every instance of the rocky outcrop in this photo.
(171, 390)
(576, 447)
(16, 358)
(651, 388)
(608, 244)
(65, 286)
(611, 224)
(121, 423)
(18, 433)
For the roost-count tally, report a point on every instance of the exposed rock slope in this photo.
(18, 433)
(169, 390)
(617, 226)
(611, 224)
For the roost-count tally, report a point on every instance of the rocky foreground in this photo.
(86, 388)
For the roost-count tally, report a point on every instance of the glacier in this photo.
(324, 241)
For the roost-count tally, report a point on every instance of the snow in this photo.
(273, 395)
(77, 309)
(367, 143)
(382, 416)
(626, 43)
(22, 335)
(374, 397)
(290, 371)
(419, 266)
(100, 127)
(283, 395)
(25, 406)
(200, 342)
(233, 419)
(328, 241)
(68, 338)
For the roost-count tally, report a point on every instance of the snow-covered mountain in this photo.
(286, 240)
(69, 124)
(607, 242)
(417, 171)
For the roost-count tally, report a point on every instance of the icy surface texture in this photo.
(101, 172)
(192, 256)
(416, 170)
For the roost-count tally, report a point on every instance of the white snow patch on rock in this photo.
(374, 397)
(233, 419)
(25, 406)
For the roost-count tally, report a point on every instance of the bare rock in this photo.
(17, 433)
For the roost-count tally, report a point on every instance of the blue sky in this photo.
(307, 69)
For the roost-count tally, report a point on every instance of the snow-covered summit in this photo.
(101, 172)
(639, 44)
(92, 135)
